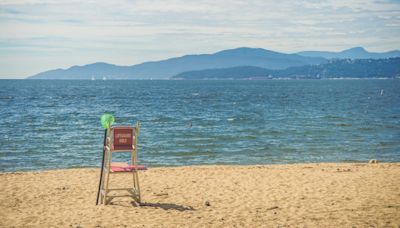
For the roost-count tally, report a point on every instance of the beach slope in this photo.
(310, 195)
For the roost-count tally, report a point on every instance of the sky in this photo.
(40, 35)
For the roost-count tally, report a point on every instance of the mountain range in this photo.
(352, 53)
(165, 69)
(335, 68)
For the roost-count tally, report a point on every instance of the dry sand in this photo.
(301, 195)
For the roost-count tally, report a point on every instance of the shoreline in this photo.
(302, 194)
(206, 165)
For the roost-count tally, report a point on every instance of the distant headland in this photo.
(245, 63)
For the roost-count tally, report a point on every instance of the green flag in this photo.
(106, 120)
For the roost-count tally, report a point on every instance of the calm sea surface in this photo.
(55, 124)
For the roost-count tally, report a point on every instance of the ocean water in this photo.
(48, 124)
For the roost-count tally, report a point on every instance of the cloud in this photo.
(128, 32)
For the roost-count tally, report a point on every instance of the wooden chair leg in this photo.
(102, 185)
(137, 186)
(102, 188)
(107, 178)
(133, 180)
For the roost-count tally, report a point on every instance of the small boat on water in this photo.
(93, 78)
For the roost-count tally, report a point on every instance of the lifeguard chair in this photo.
(121, 139)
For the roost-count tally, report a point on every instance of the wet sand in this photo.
(305, 195)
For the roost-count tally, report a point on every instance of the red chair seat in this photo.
(128, 168)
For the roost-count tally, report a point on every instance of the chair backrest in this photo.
(124, 137)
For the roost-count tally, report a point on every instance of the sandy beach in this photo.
(299, 195)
